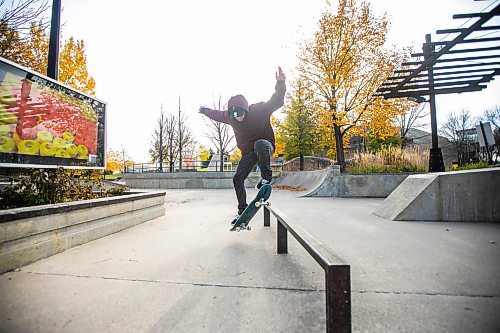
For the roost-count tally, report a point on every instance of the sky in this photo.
(145, 54)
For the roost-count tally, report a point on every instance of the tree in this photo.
(113, 160)
(185, 140)
(73, 67)
(344, 64)
(221, 136)
(163, 142)
(455, 129)
(36, 55)
(413, 118)
(279, 134)
(117, 160)
(16, 23)
(235, 156)
(32, 52)
(300, 124)
(205, 155)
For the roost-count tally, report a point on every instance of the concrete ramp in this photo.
(313, 181)
(460, 196)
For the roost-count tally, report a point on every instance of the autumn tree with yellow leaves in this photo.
(344, 64)
(28, 45)
(118, 160)
(17, 19)
(279, 134)
(300, 124)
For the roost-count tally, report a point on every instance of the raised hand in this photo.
(280, 76)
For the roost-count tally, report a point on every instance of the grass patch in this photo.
(471, 166)
(113, 177)
(389, 160)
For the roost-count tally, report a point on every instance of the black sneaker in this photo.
(261, 183)
(235, 219)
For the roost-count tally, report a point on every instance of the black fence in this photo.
(337, 273)
(192, 166)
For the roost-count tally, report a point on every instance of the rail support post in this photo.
(338, 298)
(282, 239)
(267, 217)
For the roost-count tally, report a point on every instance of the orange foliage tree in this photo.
(32, 52)
(344, 64)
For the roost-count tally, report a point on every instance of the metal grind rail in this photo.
(337, 273)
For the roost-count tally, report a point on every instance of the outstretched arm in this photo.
(278, 98)
(217, 115)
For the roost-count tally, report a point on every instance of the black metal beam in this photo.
(445, 73)
(426, 92)
(431, 60)
(460, 16)
(411, 86)
(461, 30)
(476, 40)
(479, 49)
(412, 63)
(438, 79)
(467, 65)
(449, 67)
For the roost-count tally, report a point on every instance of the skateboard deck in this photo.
(252, 209)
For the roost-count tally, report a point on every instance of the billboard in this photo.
(44, 123)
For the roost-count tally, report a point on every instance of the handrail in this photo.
(337, 273)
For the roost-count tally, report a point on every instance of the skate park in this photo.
(184, 271)
(333, 249)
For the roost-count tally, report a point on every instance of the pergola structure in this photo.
(465, 63)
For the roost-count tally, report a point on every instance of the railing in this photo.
(337, 273)
(199, 166)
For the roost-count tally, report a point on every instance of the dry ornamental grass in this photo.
(389, 159)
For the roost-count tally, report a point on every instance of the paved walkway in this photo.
(185, 272)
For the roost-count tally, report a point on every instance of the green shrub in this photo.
(476, 165)
(41, 187)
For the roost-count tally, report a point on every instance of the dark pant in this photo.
(262, 151)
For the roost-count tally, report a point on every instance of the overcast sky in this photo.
(147, 53)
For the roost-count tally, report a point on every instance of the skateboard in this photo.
(252, 209)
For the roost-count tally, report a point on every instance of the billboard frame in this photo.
(55, 166)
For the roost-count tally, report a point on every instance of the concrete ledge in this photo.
(33, 233)
(461, 196)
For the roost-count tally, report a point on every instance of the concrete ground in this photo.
(185, 272)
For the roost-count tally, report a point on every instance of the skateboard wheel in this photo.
(249, 228)
(238, 229)
(268, 204)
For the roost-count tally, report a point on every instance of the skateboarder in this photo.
(254, 135)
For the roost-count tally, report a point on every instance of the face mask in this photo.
(236, 111)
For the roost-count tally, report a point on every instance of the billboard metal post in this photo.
(55, 29)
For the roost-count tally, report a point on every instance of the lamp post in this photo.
(55, 28)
